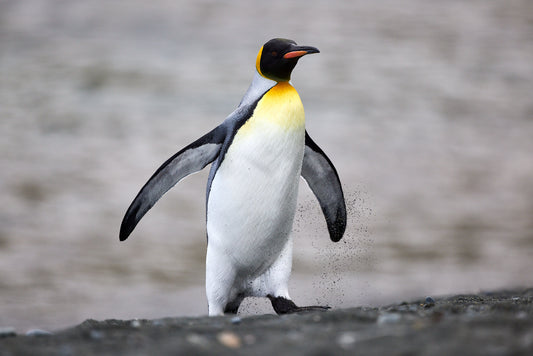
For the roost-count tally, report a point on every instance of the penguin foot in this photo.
(231, 309)
(233, 306)
(286, 306)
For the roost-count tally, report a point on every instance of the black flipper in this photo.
(189, 160)
(322, 178)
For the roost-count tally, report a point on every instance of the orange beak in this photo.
(295, 54)
(299, 51)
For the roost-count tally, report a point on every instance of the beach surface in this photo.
(487, 323)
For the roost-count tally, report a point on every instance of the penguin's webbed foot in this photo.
(286, 306)
(233, 306)
(231, 309)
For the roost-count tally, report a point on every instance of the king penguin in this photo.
(258, 154)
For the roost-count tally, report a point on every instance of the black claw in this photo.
(286, 306)
(231, 309)
(233, 306)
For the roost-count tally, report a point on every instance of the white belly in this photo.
(253, 196)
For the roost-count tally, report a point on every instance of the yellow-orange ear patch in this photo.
(258, 61)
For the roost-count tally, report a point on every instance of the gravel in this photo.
(488, 323)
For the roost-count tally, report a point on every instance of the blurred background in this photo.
(425, 107)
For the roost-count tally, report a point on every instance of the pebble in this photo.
(196, 339)
(249, 339)
(472, 310)
(295, 336)
(236, 320)
(7, 332)
(522, 315)
(65, 350)
(158, 323)
(346, 339)
(38, 332)
(408, 307)
(429, 302)
(96, 335)
(389, 318)
(229, 339)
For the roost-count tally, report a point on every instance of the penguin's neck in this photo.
(260, 85)
(281, 106)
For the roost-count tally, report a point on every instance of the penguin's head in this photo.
(277, 58)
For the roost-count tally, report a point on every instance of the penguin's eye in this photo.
(274, 53)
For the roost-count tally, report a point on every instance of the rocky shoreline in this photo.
(487, 323)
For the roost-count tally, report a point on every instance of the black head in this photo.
(277, 58)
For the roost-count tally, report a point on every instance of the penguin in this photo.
(258, 154)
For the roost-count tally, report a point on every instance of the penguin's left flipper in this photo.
(322, 178)
(286, 306)
(190, 159)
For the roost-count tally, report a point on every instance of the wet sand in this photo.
(488, 323)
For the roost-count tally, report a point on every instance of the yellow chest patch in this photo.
(280, 107)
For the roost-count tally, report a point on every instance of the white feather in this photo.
(250, 212)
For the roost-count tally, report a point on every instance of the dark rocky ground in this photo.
(488, 323)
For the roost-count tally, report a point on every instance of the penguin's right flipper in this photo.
(190, 159)
(322, 178)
